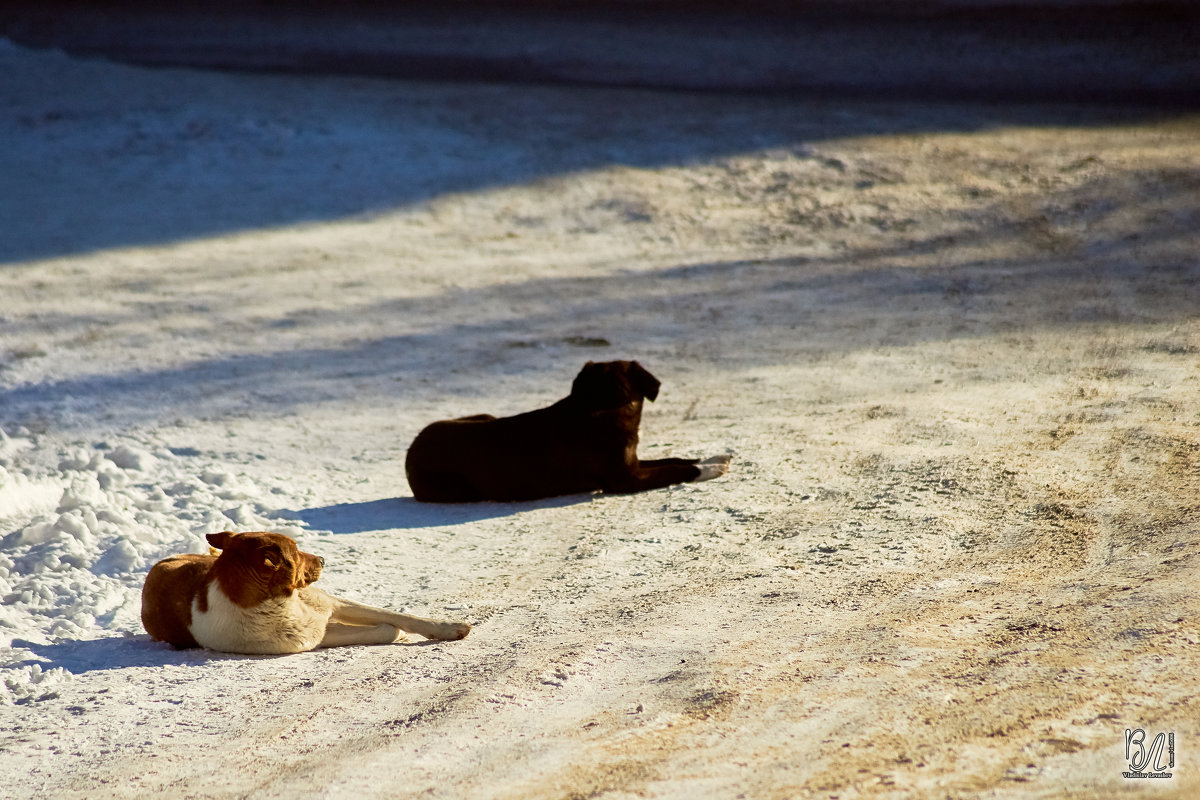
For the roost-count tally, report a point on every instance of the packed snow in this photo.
(952, 351)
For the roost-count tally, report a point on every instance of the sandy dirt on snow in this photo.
(952, 350)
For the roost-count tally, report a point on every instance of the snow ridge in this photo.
(80, 524)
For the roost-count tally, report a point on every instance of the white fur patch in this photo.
(281, 625)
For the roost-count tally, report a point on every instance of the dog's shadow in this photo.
(407, 513)
(79, 656)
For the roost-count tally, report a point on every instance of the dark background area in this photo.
(1139, 53)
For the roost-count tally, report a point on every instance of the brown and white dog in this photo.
(257, 597)
(585, 442)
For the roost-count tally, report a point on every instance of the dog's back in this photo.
(543, 453)
(171, 587)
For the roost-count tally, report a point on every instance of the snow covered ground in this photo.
(952, 350)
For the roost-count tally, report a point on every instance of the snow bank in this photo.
(81, 524)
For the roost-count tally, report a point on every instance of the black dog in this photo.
(584, 442)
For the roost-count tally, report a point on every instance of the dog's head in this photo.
(256, 566)
(612, 384)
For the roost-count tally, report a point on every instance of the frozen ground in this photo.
(952, 349)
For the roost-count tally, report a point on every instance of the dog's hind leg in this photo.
(340, 635)
(352, 613)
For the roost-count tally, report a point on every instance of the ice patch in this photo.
(127, 457)
(81, 460)
(21, 497)
(243, 515)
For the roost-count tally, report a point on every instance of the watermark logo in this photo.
(1149, 757)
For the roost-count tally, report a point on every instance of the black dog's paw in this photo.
(713, 467)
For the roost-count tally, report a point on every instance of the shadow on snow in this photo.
(405, 513)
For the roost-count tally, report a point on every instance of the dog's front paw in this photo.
(713, 467)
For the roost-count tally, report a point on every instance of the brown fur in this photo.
(257, 596)
(251, 568)
(167, 597)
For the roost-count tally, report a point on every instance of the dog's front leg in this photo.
(338, 634)
(657, 473)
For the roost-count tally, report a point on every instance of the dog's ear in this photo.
(592, 386)
(220, 540)
(271, 556)
(612, 384)
(643, 381)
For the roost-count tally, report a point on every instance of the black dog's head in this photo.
(612, 384)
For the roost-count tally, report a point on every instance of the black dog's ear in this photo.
(591, 386)
(643, 381)
(604, 385)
